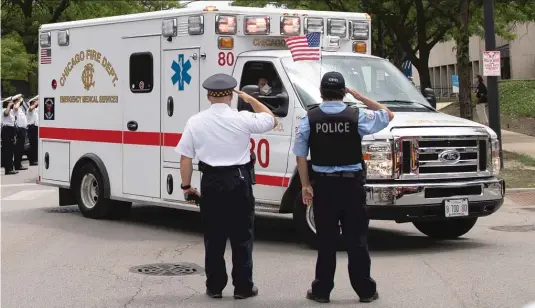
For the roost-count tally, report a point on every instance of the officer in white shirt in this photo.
(22, 123)
(33, 129)
(219, 137)
(8, 135)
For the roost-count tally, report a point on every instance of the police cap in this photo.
(16, 97)
(220, 85)
(8, 99)
(333, 81)
(33, 98)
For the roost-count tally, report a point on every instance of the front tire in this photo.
(446, 229)
(303, 217)
(90, 196)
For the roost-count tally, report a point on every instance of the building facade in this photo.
(517, 59)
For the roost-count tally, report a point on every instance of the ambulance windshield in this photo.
(375, 78)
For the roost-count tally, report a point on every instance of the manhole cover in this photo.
(523, 228)
(168, 269)
(63, 210)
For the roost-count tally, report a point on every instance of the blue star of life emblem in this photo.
(181, 69)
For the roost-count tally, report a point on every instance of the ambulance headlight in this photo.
(290, 25)
(256, 24)
(169, 27)
(63, 38)
(196, 25)
(336, 27)
(225, 24)
(45, 39)
(313, 25)
(360, 30)
(377, 156)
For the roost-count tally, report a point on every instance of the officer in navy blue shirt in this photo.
(333, 132)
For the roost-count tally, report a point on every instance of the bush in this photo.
(517, 98)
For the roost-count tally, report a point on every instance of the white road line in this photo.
(27, 195)
(19, 185)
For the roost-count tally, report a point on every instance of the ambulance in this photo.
(116, 93)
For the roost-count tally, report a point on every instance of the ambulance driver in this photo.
(219, 137)
(265, 89)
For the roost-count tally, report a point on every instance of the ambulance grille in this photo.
(439, 158)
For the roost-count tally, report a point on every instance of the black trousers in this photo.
(341, 199)
(33, 138)
(8, 146)
(227, 211)
(19, 146)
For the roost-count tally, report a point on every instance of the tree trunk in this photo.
(422, 65)
(463, 62)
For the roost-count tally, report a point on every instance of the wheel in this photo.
(303, 217)
(90, 192)
(446, 229)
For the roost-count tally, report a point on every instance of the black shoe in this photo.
(253, 292)
(316, 298)
(11, 172)
(369, 299)
(34, 164)
(214, 294)
(21, 168)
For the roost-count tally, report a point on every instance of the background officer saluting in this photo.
(8, 135)
(33, 129)
(333, 131)
(22, 124)
(219, 137)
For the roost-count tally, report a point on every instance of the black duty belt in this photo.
(204, 167)
(341, 174)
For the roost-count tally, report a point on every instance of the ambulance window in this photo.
(141, 72)
(259, 73)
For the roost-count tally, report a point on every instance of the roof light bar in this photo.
(256, 24)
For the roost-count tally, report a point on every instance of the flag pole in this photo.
(321, 56)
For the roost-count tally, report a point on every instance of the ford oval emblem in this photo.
(450, 156)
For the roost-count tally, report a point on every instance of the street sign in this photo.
(455, 83)
(491, 63)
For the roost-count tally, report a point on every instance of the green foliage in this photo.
(517, 98)
(15, 60)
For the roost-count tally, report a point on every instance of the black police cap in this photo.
(220, 85)
(333, 81)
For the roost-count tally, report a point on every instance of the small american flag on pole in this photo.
(46, 56)
(305, 47)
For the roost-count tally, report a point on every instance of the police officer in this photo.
(333, 132)
(8, 135)
(219, 137)
(33, 128)
(21, 127)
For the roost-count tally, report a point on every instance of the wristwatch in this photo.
(184, 187)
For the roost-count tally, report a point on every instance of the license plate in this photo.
(456, 207)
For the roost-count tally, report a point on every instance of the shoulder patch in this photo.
(370, 115)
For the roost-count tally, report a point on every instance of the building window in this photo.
(141, 72)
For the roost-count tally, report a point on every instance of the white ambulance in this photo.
(116, 93)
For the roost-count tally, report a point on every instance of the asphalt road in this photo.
(53, 257)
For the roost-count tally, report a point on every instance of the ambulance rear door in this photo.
(141, 117)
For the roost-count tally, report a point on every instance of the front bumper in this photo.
(425, 200)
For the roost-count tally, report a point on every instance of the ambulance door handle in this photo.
(132, 125)
(194, 56)
(203, 55)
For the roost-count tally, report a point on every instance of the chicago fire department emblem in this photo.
(87, 76)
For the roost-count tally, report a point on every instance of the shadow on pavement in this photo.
(272, 230)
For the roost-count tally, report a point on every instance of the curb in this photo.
(515, 190)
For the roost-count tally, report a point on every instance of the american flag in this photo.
(305, 47)
(46, 56)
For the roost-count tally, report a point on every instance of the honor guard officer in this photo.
(33, 129)
(21, 123)
(219, 137)
(333, 132)
(8, 135)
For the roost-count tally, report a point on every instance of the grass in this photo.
(517, 98)
(518, 171)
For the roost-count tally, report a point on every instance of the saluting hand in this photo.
(244, 96)
(308, 194)
(354, 93)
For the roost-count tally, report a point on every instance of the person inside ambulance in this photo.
(264, 87)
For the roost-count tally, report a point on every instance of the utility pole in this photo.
(492, 81)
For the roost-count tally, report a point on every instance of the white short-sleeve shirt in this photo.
(22, 121)
(220, 136)
(33, 116)
(10, 119)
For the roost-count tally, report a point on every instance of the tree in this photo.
(24, 17)
(15, 60)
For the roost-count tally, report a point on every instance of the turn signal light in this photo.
(210, 8)
(225, 42)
